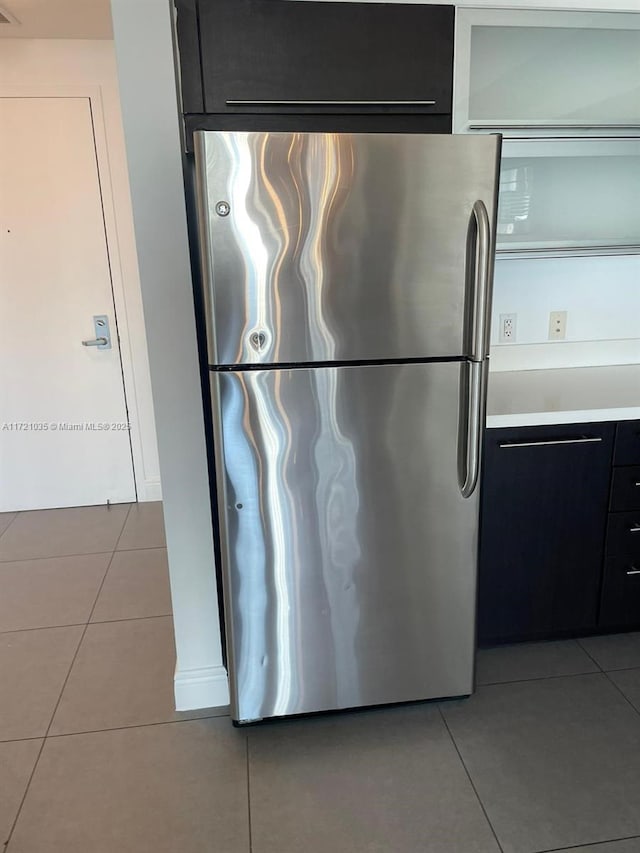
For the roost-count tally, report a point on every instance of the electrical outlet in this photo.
(508, 328)
(557, 325)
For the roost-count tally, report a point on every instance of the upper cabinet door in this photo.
(569, 194)
(547, 69)
(294, 56)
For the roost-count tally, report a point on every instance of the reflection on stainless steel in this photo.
(339, 246)
(349, 551)
(348, 500)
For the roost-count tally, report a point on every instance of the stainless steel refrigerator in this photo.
(348, 288)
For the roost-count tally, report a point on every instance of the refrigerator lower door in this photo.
(349, 552)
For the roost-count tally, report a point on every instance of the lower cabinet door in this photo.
(544, 514)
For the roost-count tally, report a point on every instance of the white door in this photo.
(64, 438)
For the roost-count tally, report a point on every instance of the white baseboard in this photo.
(150, 490)
(206, 687)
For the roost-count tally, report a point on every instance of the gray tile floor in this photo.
(93, 758)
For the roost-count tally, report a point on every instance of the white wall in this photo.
(601, 296)
(143, 39)
(49, 66)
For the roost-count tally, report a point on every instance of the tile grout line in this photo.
(249, 795)
(44, 739)
(593, 844)
(621, 692)
(20, 739)
(95, 601)
(134, 726)
(64, 684)
(24, 796)
(588, 654)
(82, 624)
(542, 678)
(9, 525)
(612, 682)
(83, 554)
(145, 548)
(471, 782)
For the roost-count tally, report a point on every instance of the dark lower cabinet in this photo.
(620, 593)
(545, 498)
(620, 603)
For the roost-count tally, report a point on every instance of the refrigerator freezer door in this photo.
(349, 551)
(321, 247)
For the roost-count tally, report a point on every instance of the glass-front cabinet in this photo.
(547, 70)
(564, 90)
(569, 194)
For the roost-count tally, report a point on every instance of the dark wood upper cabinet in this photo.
(189, 56)
(279, 55)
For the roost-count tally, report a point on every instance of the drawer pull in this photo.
(633, 571)
(583, 440)
(232, 102)
(635, 528)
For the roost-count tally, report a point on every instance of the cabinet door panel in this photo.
(544, 511)
(623, 534)
(364, 56)
(627, 443)
(621, 593)
(625, 488)
(531, 73)
(569, 193)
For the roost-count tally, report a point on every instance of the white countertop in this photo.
(564, 396)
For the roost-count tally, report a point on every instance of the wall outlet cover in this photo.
(508, 324)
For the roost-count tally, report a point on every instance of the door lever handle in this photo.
(102, 339)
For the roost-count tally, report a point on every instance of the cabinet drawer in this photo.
(625, 488)
(620, 603)
(627, 450)
(279, 56)
(623, 534)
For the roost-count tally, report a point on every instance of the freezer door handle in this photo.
(482, 282)
(472, 430)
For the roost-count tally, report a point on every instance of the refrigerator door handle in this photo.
(476, 387)
(482, 283)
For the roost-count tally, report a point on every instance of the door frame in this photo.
(126, 291)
